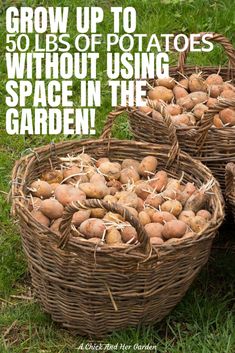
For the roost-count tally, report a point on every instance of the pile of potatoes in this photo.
(168, 209)
(187, 100)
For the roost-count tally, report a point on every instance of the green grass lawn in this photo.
(204, 322)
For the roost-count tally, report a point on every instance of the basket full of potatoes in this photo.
(201, 103)
(113, 229)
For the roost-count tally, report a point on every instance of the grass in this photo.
(204, 321)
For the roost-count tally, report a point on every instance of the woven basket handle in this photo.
(229, 178)
(65, 225)
(207, 120)
(171, 130)
(217, 38)
(106, 133)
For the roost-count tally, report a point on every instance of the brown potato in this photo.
(214, 79)
(113, 236)
(41, 189)
(161, 92)
(145, 109)
(115, 184)
(52, 208)
(110, 199)
(215, 90)
(133, 211)
(127, 198)
(192, 99)
(65, 194)
(140, 205)
(227, 116)
(196, 201)
(205, 214)
(144, 218)
(80, 216)
(227, 94)
(199, 110)
(217, 121)
(110, 170)
(167, 82)
(156, 241)
(157, 116)
(55, 226)
(211, 102)
(150, 211)
(72, 172)
(196, 83)
(113, 217)
(129, 175)
(97, 178)
(128, 162)
(182, 119)
(92, 228)
(95, 241)
(54, 186)
(52, 176)
(162, 217)
(129, 234)
(159, 181)
(143, 190)
(94, 191)
(183, 83)
(179, 92)
(100, 161)
(185, 216)
(174, 229)
(41, 218)
(154, 200)
(198, 223)
(98, 212)
(173, 109)
(172, 206)
(148, 166)
(34, 203)
(154, 229)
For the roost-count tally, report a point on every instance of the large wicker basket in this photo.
(230, 187)
(214, 147)
(95, 290)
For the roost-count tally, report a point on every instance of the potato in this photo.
(52, 176)
(199, 110)
(159, 181)
(167, 82)
(173, 184)
(129, 234)
(127, 198)
(196, 83)
(55, 226)
(192, 99)
(172, 206)
(34, 203)
(129, 175)
(162, 217)
(227, 116)
(150, 211)
(54, 186)
(179, 92)
(182, 119)
(143, 190)
(205, 214)
(100, 161)
(161, 92)
(140, 204)
(112, 191)
(80, 216)
(214, 79)
(95, 241)
(97, 178)
(196, 201)
(148, 166)
(156, 241)
(211, 102)
(90, 170)
(128, 162)
(40, 217)
(189, 235)
(65, 194)
(154, 200)
(154, 229)
(92, 228)
(183, 83)
(157, 116)
(115, 184)
(52, 208)
(217, 121)
(145, 109)
(94, 191)
(110, 170)
(215, 90)
(84, 159)
(113, 236)
(41, 189)
(227, 94)
(133, 211)
(173, 109)
(174, 229)
(197, 223)
(113, 217)
(189, 188)
(73, 173)
(110, 199)
(144, 218)
(185, 216)
(98, 212)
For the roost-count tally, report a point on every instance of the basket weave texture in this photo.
(93, 289)
(215, 147)
(230, 186)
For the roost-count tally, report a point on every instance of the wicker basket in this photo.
(214, 147)
(95, 290)
(230, 187)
